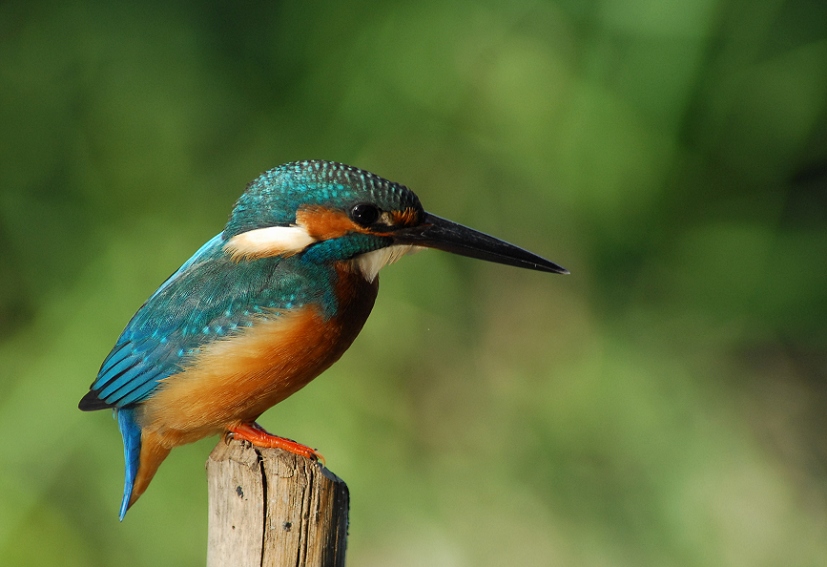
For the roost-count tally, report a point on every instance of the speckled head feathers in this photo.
(274, 198)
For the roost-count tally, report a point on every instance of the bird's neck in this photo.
(356, 296)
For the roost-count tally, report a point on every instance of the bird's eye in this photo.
(364, 214)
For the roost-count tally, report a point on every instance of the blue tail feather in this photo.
(131, 433)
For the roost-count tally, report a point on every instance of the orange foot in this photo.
(258, 436)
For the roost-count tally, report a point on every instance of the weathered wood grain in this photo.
(270, 508)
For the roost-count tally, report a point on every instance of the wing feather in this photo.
(209, 298)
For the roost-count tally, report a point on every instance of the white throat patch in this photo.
(370, 263)
(269, 241)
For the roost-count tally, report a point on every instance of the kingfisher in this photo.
(264, 307)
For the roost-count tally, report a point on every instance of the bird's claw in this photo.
(258, 436)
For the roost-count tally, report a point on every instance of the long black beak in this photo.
(442, 234)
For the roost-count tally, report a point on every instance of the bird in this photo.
(264, 307)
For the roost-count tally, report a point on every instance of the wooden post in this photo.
(271, 508)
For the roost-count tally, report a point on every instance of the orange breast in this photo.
(237, 379)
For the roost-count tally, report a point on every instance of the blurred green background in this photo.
(663, 405)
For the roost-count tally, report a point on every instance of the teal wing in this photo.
(209, 298)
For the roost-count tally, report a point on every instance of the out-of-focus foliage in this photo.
(663, 405)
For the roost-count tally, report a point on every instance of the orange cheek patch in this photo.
(408, 217)
(324, 224)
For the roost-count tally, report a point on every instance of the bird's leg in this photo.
(258, 436)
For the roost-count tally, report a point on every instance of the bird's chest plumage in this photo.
(237, 378)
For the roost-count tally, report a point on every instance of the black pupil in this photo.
(364, 215)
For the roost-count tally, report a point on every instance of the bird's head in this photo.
(328, 212)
